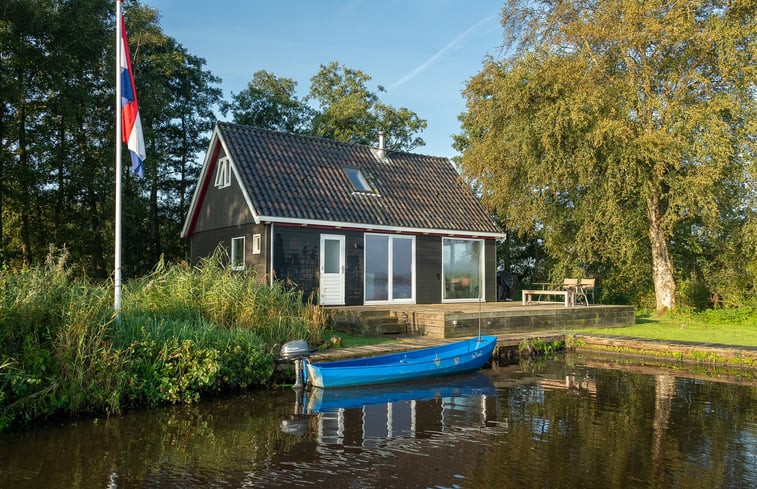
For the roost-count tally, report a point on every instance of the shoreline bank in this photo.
(743, 357)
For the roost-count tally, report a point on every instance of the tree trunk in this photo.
(662, 264)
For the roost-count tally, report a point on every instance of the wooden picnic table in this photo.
(568, 295)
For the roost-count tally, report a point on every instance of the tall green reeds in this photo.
(182, 332)
(52, 341)
(212, 293)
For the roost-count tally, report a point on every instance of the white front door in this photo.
(332, 270)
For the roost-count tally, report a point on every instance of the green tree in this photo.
(348, 111)
(189, 121)
(53, 97)
(57, 134)
(176, 96)
(613, 127)
(270, 102)
(23, 49)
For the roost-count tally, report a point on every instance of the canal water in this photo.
(562, 422)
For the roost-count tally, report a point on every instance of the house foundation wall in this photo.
(459, 321)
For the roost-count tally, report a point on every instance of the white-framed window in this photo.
(462, 270)
(237, 253)
(223, 173)
(255, 244)
(389, 268)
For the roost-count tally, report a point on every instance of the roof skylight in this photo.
(358, 180)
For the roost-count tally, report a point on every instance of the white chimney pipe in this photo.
(381, 151)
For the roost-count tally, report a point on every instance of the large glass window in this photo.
(463, 264)
(402, 268)
(376, 268)
(389, 268)
(237, 253)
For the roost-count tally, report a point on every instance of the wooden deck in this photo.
(463, 319)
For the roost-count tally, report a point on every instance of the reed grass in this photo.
(183, 332)
(229, 299)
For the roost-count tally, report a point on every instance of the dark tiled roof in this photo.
(301, 177)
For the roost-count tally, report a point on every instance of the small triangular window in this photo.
(223, 174)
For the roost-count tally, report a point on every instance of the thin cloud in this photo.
(422, 67)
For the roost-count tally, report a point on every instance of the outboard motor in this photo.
(296, 351)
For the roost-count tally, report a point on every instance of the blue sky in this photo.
(421, 51)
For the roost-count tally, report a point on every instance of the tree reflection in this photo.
(551, 424)
(639, 431)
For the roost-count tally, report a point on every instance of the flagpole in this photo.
(117, 253)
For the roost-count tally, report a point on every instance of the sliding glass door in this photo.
(463, 269)
(389, 268)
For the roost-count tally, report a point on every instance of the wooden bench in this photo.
(566, 294)
(585, 285)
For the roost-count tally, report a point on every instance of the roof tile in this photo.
(302, 177)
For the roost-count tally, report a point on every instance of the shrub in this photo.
(173, 362)
(182, 332)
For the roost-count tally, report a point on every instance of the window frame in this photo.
(256, 244)
(390, 269)
(481, 271)
(358, 180)
(223, 173)
(233, 253)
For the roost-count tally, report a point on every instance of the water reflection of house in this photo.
(373, 424)
(572, 382)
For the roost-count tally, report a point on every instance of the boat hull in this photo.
(452, 358)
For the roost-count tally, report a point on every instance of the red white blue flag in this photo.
(131, 127)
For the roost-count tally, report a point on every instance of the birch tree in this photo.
(610, 125)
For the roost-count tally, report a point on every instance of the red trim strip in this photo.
(204, 189)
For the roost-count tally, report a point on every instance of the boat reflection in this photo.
(369, 415)
(331, 400)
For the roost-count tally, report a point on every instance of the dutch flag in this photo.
(131, 125)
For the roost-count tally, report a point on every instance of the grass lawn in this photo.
(693, 327)
(349, 340)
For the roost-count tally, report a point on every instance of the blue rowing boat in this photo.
(451, 358)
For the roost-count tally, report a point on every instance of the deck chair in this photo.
(585, 285)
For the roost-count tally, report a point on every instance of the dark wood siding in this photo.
(296, 260)
(353, 287)
(260, 261)
(203, 244)
(428, 270)
(223, 207)
(490, 270)
(296, 257)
